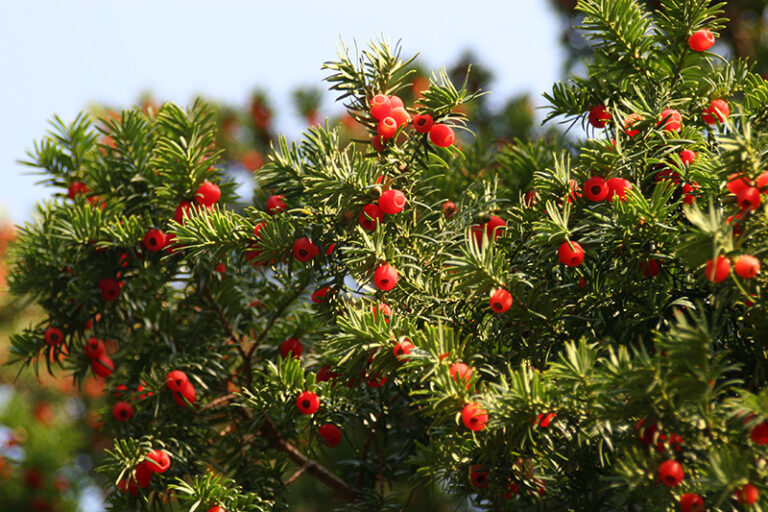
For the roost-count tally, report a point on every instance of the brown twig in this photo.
(216, 402)
(295, 476)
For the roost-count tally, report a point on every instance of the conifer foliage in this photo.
(582, 327)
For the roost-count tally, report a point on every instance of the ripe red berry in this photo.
(691, 502)
(128, 485)
(595, 189)
(181, 211)
(501, 300)
(370, 217)
(494, 228)
(158, 461)
(392, 201)
(759, 433)
(701, 40)
(718, 272)
(187, 394)
(479, 476)
(423, 123)
(154, 240)
(670, 120)
(378, 143)
(275, 204)
(396, 101)
(530, 198)
(381, 106)
(307, 402)
(207, 194)
(221, 268)
(618, 187)
(650, 268)
(449, 208)
(385, 311)
(460, 371)
(474, 417)
(292, 347)
(54, 336)
(76, 188)
(442, 135)
(749, 199)
(737, 183)
(718, 110)
(746, 266)
(688, 192)
(687, 156)
(143, 475)
(747, 494)
(110, 289)
(331, 434)
(671, 473)
(511, 491)
(599, 116)
(403, 348)
(575, 191)
(122, 411)
(102, 366)
(387, 128)
(94, 348)
(325, 373)
(176, 380)
(319, 295)
(571, 254)
(216, 509)
(630, 120)
(385, 278)
(400, 115)
(304, 250)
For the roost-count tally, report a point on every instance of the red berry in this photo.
(187, 394)
(128, 485)
(403, 348)
(575, 191)
(670, 120)
(650, 268)
(530, 198)
(182, 211)
(122, 411)
(746, 266)
(449, 208)
(701, 40)
(718, 110)
(370, 217)
(385, 278)
(618, 187)
(512, 490)
(392, 201)
(76, 188)
(143, 475)
(216, 509)
(571, 254)
(94, 348)
(377, 143)
(718, 272)
(737, 183)
(400, 115)
(423, 123)
(385, 311)
(102, 366)
(671, 473)
(154, 240)
(110, 289)
(275, 204)
(325, 373)
(176, 380)
(691, 502)
(292, 347)
(479, 476)
(687, 156)
(474, 417)
(545, 419)
(501, 300)
(319, 295)
(759, 433)
(307, 402)
(761, 182)
(460, 371)
(747, 494)
(396, 101)
(54, 336)
(381, 106)
(441, 135)
(494, 228)
(595, 189)
(158, 461)
(599, 116)
(387, 128)
(304, 250)
(688, 196)
(749, 199)
(207, 194)
(221, 268)
(330, 433)
(630, 120)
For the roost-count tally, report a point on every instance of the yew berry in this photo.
(76, 188)
(325, 373)
(599, 116)
(154, 240)
(122, 411)
(543, 420)
(575, 191)
(479, 476)
(474, 417)
(403, 348)
(449, 209)
(442, 135)
(630, 120)
(94, 348)
(494, 228)
(385, 277)
(530, 198)
(501, 300)
(53, 336)
(292, 347)
(158, 461)
(688, 192)
(128, 485)
(176, 380)
(737, 183)
(381, 106)
(377, 143)
(595, 189)
(718, 272)
(718, 110)
(671, 120)
(650, 268)
(186, 395)
(319, 295)
(216, 509)
(143, 475)
(304, 250)
(511, 491)
(759, 433)
(691, 502)
(761, 182)
(400, 115)
(392, 201)
(307, 402)
(671, 473)
(207, 194)
(746, 266)
(687, 156)
(182, 211)
(423, 123)
(396, 101)
(619, 188)
(102, 366)
(571, 254)
(460, 371)
(749, 199)
(110, 289)
(221, 268)
(331, 434)
(275, 204)
(747, 494)
(387, 128)
(701, 40)
(385, 311)
(370, 217)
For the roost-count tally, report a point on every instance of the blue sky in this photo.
(59, 56)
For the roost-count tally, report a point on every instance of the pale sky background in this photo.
(58, 56)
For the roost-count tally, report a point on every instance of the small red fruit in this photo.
(381, 107)
(400, 115)
(216, 509)
(761, 182)
(325, 373)
(691, 502)
(319, 295)
(718, 272)
(396, 101)
(385, 311)
(449, 209)
(307, 402)
(176, 380)
(618, 187)
(331, 434)
(94, 348)
(595, 189)
(688, 192)
(158, 461)
(403, 348)
(377, 143)
(571, 254)
(479, 476)
(718, 110)
(122, 411)
(207, 194)
(102, 366)
(599, 116)
(187, 394)
(181, 211)
(387, 128)
(370, 217)
(110, 289)
(747, 494)
(737, 183)
(54, 336)
(759, 433)
(687, 156)
(304, 250)
(143, 475)
(474, 417)
(501, 300)
(292, 347)
(392, 201)
(423, 123)
(442, 135)
(460, 371)
(650, 268)
(749, 199)
(275, 204)
(385, 277)
(630, 120)
(154, 240)
(746, 266)
(671, 120)
(701, 40)
(671, 473)
(76, 188)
